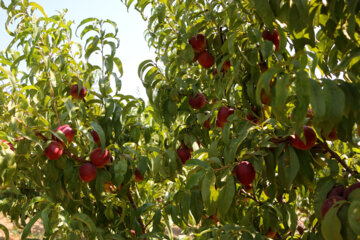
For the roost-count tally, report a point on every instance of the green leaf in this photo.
(264, 81)
(82, 217)
(334, 100)
(317, 100)
(354, 216)
(27, 229)
(263, 8)
(196, 206)
(207, 182)
(100, 132)
(120, 168)
(288, 167)
(40, 8)
(194, 179)
(331, 225)
(281, 92)
(226, 196)
(6, 232)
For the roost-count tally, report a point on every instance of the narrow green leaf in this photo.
(27, 229)
(354, 216)
(331, 225)
(6, 232)
(264, 10)
(226, 195)
(100, 132)
(82, 217)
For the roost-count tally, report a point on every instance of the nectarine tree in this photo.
(237, 167)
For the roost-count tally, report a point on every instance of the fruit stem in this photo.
(73, 156)
(251, 196)
(339, 159)
(143, 228)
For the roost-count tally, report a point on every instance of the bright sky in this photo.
(133, 47)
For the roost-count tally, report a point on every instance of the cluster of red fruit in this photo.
(336, 194)
(98, 157)
(203, 56)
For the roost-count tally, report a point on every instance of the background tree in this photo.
(250, 130)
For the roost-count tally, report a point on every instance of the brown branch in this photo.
(55, 103)
(73, 156)
(40, 135)
(222, 168)
(251, 196)
(338, 158)
(143, 228)
(66, 151)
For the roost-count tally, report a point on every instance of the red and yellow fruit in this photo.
(87, 172)
(184, 153)
(206, 60)
(310, 139)
(198, 43)
(198, 101)
(54, 150)
(223, 114)
(67, 131)
(138, 176)
(74, 92)
(96, 137)
(272, 37)
(100, 158)
(245, 173)
(9, 144)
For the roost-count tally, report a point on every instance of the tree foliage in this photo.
(281, 72)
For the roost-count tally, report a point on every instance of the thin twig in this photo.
(338, 158)
(73, 156)
(143, 228)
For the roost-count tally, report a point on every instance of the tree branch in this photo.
(143, 228)
(338, 158)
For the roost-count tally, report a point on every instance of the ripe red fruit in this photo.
(224, 113)
(206, 124)
(198, 43)
(9, 144)
(214, 218)
(68, 132)
(245, 173)
(220, 124)
(184, 154)
(328, 203)
(138, 176)
(87, 172)
(310, 137)
(198, 101)
(332, 135)
(206, 60)
(252, 118)
(214, 72)
(274, 37)
(74, 92)
(96, 137)
(350, 189)
(225, 67)
(265, 98)
(54, 150)
(100, 158)
(133, 233)
(271, 234)
(336, 191)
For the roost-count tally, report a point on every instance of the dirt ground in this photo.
(15, 233)
(37, 230)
